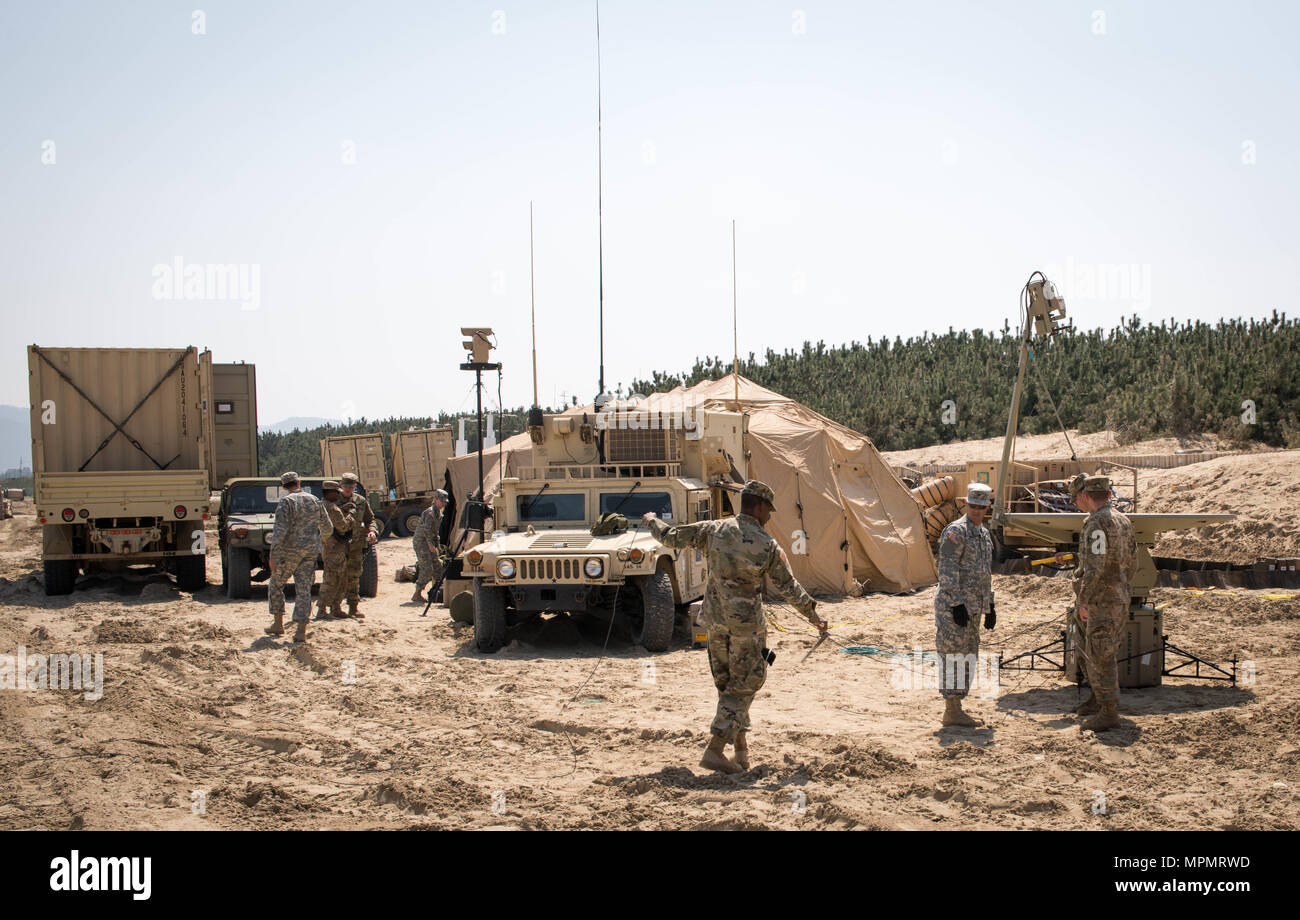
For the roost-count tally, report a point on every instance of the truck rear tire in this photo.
(191, 572)
(239, 569)
(60, 577)
(489, 617)
(407, 520)
(654, 632)
(385, 524)
(369, 573)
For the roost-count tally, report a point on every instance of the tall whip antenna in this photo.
(600, 217)
(532, 288)
(735, 335)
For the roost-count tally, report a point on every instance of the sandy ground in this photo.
(1098, 443)
(203, 713)
(1263, 490)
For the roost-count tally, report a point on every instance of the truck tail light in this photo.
(179, 511)
(69, 515)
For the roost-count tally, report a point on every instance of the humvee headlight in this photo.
(636, 555)
(474, 557)
(594, 567)
(506, 568)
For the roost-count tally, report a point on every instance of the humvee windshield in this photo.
(638, 503)
(552, 506)
(260, 499)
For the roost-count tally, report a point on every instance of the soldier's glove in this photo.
(959, 615)
(990, 618)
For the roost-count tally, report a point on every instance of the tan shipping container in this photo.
(231, 415)
(420, 460)
(115, 410)
(362, 454)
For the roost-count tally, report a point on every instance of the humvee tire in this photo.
(369, 573)
(654, 632)
(238, 570)
(60, 576)
(385, 524)
(489, 616)
(191, 572)
(407, 520)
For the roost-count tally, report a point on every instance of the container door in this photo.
(232, 409)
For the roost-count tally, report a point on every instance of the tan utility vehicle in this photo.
(543, 556)
(244, 533)
(127, 447)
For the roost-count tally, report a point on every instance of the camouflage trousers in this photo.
(1102, 639)
(335, 555)
(352, 573)
(739, 671)
(299, 565)
(430, 566)
(959, 649)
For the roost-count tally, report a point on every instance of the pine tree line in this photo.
(1143, 381)
(300, 449)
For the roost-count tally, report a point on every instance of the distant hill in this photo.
(15, 437)
(297, 423)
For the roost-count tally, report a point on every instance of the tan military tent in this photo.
(514, 452)
(862, 524)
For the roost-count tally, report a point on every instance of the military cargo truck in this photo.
(543, 556)
(122, 456)
(244, 526)
(419, 459)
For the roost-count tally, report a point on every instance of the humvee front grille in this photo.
(546, 569)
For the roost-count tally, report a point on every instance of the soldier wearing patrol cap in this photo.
(1105, 562)
(364, 533)
(965, 596)
(740, 555)
(425, 542)
(334, 553)
(295, 544)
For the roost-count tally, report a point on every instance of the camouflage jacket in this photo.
(298, 519)
(426, 531)
(965, 567)
(1106, 558)
(363, 518)
(340, 522)
(740, 555)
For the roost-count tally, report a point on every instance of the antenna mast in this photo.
(536, 420)
(735, 335)
(532, 293)
(600, 218)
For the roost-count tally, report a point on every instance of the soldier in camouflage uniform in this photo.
(295, 544)
(965, 595)
(426, 545)
(334, 552)
(1105, 561)
(740, 555)
(365, 531)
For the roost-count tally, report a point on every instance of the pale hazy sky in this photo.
(893, 168)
